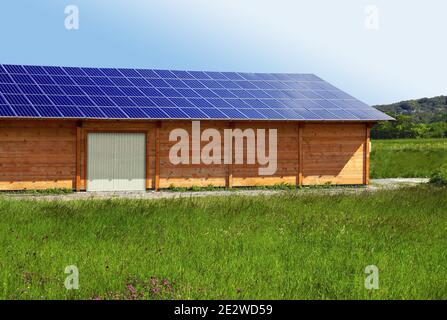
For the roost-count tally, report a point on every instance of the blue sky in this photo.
(404, 58)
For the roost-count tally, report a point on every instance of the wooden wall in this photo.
(51, 154)
(333, 154)
(37, 155)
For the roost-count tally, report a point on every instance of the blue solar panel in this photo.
(72, 90)
(48, 111)
(122, 101)
(129, 72)
(216, 103)
(6, 111)
(102, 101)
(182, 102)
(216, 75)
(9, 88)
(82, 100)
(30, 89)
(25, 111)
(22, 78)
(188, 93)
(143, 101)
(42, 79)
(121, 82)
(195, 113)
(40, 99)
(94, 72)
(14, 69)
(155, 113)
(270, 114)
(102, 81)
(15, 99)
(110, 72)
(5, 78)
(54, 70)
(72, 71)
(113, 112)
(47, 91)
(182, 74)
(252, 114)
(289, 114)
(228, 84)
(233, 114)
(214, 113)
(199, 75)
(93, 91)
(63, 80)
(245, 84)
(92, 112)
(70, 112)
(158, 83)
(135, 113)
(223, 93)
(132, 91)
(237, 103)
(175, 113)
(35, 69)
(162, 102)
(194, 84)
(57, 100)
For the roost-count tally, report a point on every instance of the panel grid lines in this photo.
(71, 92)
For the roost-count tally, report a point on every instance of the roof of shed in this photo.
(117, 93)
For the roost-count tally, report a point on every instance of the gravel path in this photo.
(376, 184)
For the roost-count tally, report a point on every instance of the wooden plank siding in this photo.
(41, 154)
(37, 155)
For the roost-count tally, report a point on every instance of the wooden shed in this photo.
(106, 129)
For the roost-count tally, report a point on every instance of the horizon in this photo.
(373, 50)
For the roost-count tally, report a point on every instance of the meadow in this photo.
(297, 245)
(407, 158)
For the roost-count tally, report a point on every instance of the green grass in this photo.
(59, 191)
(294, 245)
(407, 158)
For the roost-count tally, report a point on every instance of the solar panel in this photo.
(25, 111)
(72, 92)
(70, 112)
(6, 111)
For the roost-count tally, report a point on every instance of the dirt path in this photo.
(376, 184)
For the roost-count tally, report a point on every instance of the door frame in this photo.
(84, 138)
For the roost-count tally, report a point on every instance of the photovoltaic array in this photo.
(108, 93)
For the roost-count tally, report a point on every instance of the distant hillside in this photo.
(425, 110)
(422, 118)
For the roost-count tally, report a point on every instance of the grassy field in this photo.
(306, 246)
(407, 158)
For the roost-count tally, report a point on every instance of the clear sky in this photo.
(395, 52)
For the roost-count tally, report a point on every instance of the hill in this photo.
(421, 118)
(425, 110)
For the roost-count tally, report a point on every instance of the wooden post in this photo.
(157, 157)
(230, 165)
(300, 155)
(148, 163)
(84, 158)
(78, 156)
(367, 150)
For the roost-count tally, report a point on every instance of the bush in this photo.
(439, 177)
